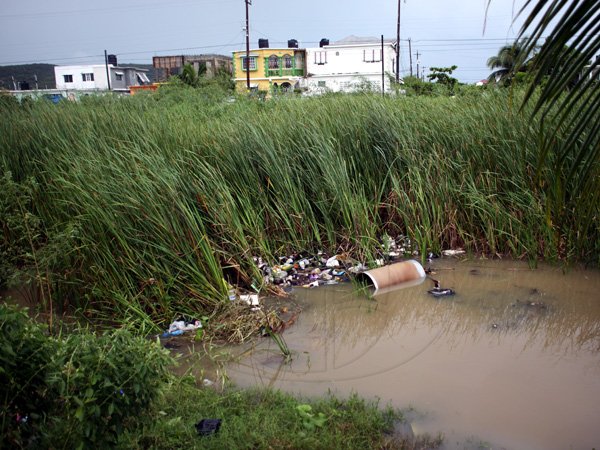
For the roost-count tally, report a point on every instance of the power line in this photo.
(121, 54)
(112, 9)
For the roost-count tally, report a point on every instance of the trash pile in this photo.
(310, 271)
(303, 269)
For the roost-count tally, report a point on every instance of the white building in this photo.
(354, 63)
(94, 77)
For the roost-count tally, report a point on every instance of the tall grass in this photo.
(163, 194)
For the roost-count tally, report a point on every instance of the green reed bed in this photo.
(144, 201)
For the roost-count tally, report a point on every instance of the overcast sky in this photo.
(443, 32)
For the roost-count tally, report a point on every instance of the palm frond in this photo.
(568, 102)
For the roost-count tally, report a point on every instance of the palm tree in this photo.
(507, 63)
(570, 149)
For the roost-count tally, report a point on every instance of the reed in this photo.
(161, 192)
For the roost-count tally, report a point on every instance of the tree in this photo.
(441, 75)
(189, 75)
(509, 60)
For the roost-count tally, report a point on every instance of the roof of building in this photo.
(349, 40)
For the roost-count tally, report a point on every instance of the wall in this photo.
(99, 72)
(347, 67)
(120, 77)
(263, 81)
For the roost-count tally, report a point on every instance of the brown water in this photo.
(511, 361)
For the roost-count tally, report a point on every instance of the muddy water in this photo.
(511, 361)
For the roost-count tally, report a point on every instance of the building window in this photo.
(87, 77)
(68, 78)
(118, 76)
(320, 58)
(287, 62)
(322, 84)
(273, 62)
(252, 63)
(371, 56)
(142, 78)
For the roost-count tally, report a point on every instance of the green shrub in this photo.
(82, 390)
(104, 384)
(25, 354)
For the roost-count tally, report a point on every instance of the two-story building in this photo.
(270, 69)
(167, 66)
(351, 64)
(94, 77)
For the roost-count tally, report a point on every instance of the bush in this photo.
(79, 391)
(24, 395)
(105, 383)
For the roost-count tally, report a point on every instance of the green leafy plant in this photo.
(82, 390)
(105, 383)
(25, 363)
(441, 75)
(310, 420)
(281, 344)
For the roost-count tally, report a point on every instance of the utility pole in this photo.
(382, 69)
(410, 56)
(107, 71)
(36, 81)
(418, 61)
(398, 44)
(248, 2)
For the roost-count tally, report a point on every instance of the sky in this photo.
(442, 32)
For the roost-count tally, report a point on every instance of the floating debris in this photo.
(439, 291)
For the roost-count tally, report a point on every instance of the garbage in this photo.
(439, 291)
(358, 268)
(333, 262)
(394, 276)
(250, 299)
(458, 251)
(305, 269)
(181, 325)
(231, 295)
(303, 263)
(206, 427)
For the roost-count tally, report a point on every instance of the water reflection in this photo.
(509, 350)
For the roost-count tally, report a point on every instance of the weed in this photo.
(163, 201)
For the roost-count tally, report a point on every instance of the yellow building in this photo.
(271, 69)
